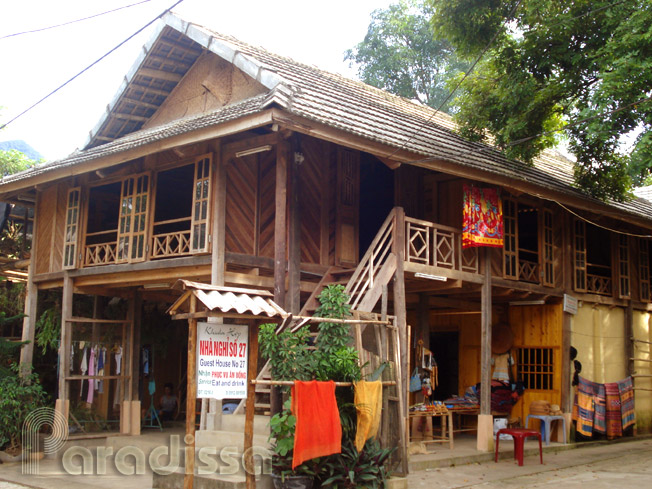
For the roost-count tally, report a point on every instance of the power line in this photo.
(466, 75)
(92, 64)
(599, 225)
(73, 21)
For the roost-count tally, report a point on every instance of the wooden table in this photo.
(446, 420)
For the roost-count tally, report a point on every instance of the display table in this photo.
(446, 420)
(546, 422)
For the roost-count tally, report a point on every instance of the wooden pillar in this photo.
(629, 338)
(566, 369)
(252, 370)
(191, 399)
(485, 419)
(29, 322)
(280, 219)
(398, 248)
(280, 244)
(423, 319)
(293, 300)
(65, 345)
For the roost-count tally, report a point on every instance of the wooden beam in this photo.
(29, 321)
(64, 345)
(566, 397)
(159, 74)
(444, 272)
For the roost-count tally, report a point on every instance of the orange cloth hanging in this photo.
(318, 430)
(368, 404)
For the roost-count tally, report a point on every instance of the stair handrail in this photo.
(371, 263)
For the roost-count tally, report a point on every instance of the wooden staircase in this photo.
(364, 286)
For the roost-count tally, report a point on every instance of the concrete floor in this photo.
(601, 465)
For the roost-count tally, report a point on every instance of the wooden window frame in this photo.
(623, 269)
(72, 230)
(547, 248)
(201, 210)
(579, 256)
(644, 270)
(126, 227)
(535, 366)
(510, 236)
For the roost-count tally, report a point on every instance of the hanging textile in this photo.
(613, 412)
(483, 217)
(318, 431)
(368, 404)
(91, 371)
(600, 406)
(83, 368)
(626, 389)
(586, 407)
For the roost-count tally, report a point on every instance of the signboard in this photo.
(222, 360)
(570, 304)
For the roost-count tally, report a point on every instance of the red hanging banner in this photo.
(483, 218)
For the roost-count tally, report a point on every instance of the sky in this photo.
(32, 65)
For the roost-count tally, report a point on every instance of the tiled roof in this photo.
(355, 108)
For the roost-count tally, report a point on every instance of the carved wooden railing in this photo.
(171, 244)
(100, 254)
(528, 271)
(365, 275)
(437, 245)
(597, 284)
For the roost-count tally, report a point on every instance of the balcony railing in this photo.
(437, 245)
(171, 244)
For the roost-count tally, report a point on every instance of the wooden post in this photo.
(398, 247)
(252, 369)
(191, 399)
(485, 419)
(280, 244)
(65, 345)
(280, 219)
(29, 322)
(629, 335)
(293, 301)
(566, 401)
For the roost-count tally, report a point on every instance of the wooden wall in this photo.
(50, 228)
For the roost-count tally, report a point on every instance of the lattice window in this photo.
(548, 250)
(579, 249)
(72, 228)
(133, 219)
(535, 367)
(623, 266)
(201, 205)
(644, 269)
(510, 243)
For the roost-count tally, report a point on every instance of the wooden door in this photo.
(132, 224)
(537, 351)
(347, 208)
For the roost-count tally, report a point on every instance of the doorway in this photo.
(444, 346)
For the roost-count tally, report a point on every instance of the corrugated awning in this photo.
(228, 301)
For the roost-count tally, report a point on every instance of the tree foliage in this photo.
(399, 54)
(551, 66)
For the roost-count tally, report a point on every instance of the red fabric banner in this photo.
(483, 217)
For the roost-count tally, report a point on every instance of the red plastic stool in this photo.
(519, 434)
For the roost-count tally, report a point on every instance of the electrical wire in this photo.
(598, 225)
(92, 64)
(466, 75)
(73, 21)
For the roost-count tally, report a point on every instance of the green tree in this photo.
(13, 161)
(551, 65)
(400, 54)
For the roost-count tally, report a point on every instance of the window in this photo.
(535, 367)
(72, 228)
(132, 227)
(644, 269)
(579, 249)
(201, 205)
(510, 251)
(548, 250)
(623, 266)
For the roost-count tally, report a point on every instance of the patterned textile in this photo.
(483, 217)
(614, 418)
(626, 389)
(600, 406)
(585, 406)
